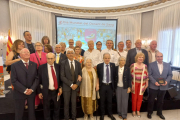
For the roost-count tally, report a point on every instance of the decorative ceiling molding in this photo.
(115, 10)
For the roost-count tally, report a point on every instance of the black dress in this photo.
(8, 69)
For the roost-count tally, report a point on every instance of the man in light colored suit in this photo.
(158, 70)
(152, 51)
(71, 77)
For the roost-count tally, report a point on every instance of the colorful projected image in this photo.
(78, 30)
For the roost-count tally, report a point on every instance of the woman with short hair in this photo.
(89, 87)
(140, 79)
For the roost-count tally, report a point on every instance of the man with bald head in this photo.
(132, 53)
(152, 51)
(25, 81)
(158, 71)
(49, 77)
(59, 56)
(92, 53)
(79, 43)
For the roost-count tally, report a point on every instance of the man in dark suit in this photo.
(59, 56)
(71, 77)
(25, 81)
(158, 70)
(106, 75)
(132, 53)
(49, 78)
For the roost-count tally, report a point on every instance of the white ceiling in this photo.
(97, 3)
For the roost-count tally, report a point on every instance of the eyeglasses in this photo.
(38, 45)
(99, 44)
(50, 58)
(69, 53)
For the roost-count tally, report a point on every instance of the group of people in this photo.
(40, 73)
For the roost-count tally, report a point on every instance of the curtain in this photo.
(128, 27)
(23, 18)
(166, 30)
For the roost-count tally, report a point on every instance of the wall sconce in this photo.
(146, 42)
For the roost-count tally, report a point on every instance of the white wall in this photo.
(4, 23)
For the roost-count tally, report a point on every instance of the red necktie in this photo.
(54, 78)
(26, 65)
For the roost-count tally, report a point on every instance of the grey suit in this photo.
(158, 91)
(68, 93)
(31, 50)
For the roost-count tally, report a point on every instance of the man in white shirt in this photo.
(152, 51)
(92, 53)
(71, 44)
(49, 77)
(120, 50)
(158, 71)
(109, 50)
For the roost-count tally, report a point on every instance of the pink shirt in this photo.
(43, 59)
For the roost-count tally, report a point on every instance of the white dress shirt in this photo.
(123, 53)
(51, 81)
(120, 76)
(153, 56)
(94, 55)
(25, 66)
(160, 67)
(137, 50)
(72, 63)
(104, 75)
(113, 54)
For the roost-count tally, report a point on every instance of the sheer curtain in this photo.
(166, 30)
(23, 18)
(129, 27)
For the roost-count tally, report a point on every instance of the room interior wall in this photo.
(5, 25)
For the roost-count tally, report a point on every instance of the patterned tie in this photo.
(26, 65)
(57, 59)
(72, 72)
(54, 78)
(107, 74)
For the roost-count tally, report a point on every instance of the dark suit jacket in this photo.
(100, 73)
(131, 57)
(82, 52)
(66, 75)
(44, 78)
(62, 57)
(126, 77)
(23, 78)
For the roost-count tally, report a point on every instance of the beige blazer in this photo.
(150, 54)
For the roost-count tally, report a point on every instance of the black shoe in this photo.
(149, 116)
(112, 117)
(161, 116)
(73, 118)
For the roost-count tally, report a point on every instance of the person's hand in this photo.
(60, 91)
(165, 83)
(79, 78)
(128, 90)
(97, 87)
(74, 86)
(157, 84)
(40, 96)
(132, 88)
(28, 92)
